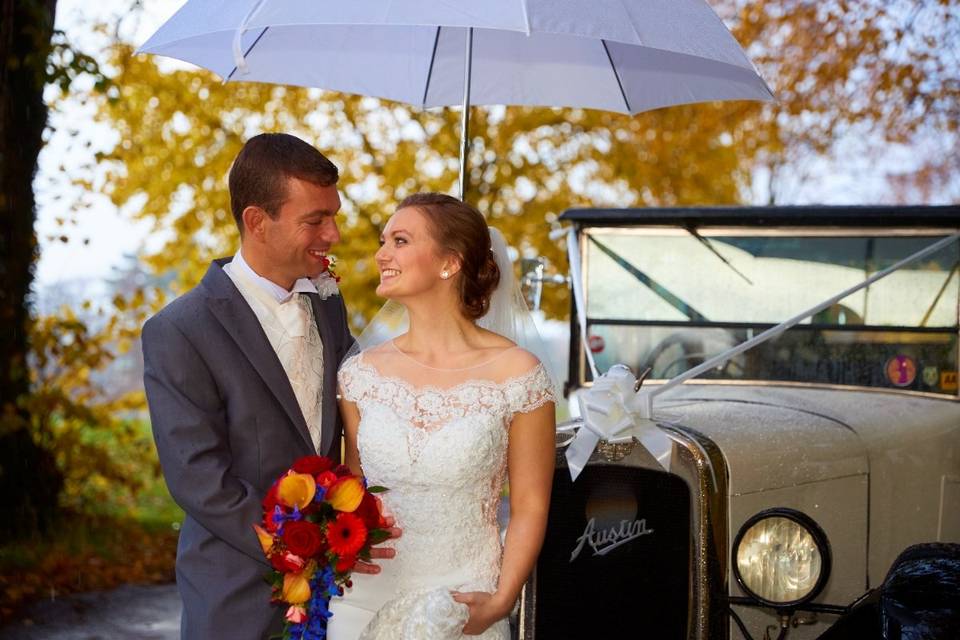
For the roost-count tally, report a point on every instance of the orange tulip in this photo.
(266, 540)
(297, 490)
(296, 587)
(345, 494)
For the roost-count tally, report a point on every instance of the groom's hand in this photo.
(380, 553)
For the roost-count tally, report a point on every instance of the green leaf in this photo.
(377, 489)
(376, 536)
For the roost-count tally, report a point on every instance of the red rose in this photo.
(303, 538)
(345, 563)
(369, 512)
(326, 479)
(342, 470)
(287, 562)
(313, 464)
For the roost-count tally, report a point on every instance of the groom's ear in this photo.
(253, 219)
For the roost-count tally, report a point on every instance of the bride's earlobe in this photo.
(450, 269)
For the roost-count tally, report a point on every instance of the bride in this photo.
(442, 414)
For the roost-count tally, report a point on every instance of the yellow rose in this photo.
(345, 494)
(297, 490)
(296, 587)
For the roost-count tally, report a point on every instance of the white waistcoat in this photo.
(292, 331)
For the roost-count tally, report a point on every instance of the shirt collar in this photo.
(278, 293)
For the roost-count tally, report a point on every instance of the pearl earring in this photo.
(444, 274)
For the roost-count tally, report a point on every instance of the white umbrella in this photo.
(617, 55)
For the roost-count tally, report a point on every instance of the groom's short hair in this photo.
(260, 171)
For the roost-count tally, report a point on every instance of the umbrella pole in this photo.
(465, 116)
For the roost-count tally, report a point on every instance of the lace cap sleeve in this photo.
(350, 379)
(530, 390)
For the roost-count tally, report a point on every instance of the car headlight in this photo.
(781, 558)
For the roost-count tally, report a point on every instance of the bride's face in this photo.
(409, 259)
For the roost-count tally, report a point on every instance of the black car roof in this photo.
(804, 215)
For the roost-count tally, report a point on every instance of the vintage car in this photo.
(801, 467)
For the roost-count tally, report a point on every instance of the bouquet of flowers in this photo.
(318, 520)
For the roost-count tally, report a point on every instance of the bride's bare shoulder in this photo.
(517, 361)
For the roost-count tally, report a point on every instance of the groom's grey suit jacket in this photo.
(227, 424)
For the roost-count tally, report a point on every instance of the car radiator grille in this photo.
(616, 558)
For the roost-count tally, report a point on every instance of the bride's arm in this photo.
(530, 464)
(350, 417)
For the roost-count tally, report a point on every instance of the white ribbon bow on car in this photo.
(613, 410)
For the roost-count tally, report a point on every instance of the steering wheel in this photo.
(665, 361)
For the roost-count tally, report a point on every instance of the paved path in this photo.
(129, 612)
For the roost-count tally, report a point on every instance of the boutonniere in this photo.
(328, 279)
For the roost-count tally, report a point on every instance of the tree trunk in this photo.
(29, 479)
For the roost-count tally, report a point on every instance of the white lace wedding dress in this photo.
(442, 452)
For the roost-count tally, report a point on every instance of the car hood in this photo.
(771, 437)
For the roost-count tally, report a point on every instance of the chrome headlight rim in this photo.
(819, 538)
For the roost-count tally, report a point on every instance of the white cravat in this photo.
(288, 322)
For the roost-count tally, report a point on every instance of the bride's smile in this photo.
(410, 261)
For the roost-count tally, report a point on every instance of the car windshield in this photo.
(669, 298)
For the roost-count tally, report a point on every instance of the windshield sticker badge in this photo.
(606, 540)
(948, 380)
(901, 371)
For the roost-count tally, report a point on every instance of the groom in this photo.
(240, 375)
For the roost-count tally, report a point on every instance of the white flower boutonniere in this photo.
(327, 282)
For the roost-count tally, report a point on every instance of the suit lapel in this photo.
(238, 319)
(330, 365)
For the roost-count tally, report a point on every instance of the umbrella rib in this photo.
(616, 74)
(433, 56)
(246, 53)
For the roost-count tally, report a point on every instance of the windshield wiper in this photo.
(939, 295)
(652, 284)
(713, 250)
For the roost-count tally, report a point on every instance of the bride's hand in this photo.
(379, 553)
(485, 609)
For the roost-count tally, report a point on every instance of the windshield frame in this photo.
(578, 372)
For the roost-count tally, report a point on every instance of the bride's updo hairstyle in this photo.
(461, 230)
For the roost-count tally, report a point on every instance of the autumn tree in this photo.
(29, 479)
(180, 130)
(33, 57)
(875, 72)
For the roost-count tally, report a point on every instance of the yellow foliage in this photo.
(832, 65)
(101, 445)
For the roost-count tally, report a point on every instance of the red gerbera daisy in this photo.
(346, 534)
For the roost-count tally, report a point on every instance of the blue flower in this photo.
(279, 517)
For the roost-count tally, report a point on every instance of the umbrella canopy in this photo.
(617, 55)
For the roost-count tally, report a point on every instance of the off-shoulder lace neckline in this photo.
(361, 363)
